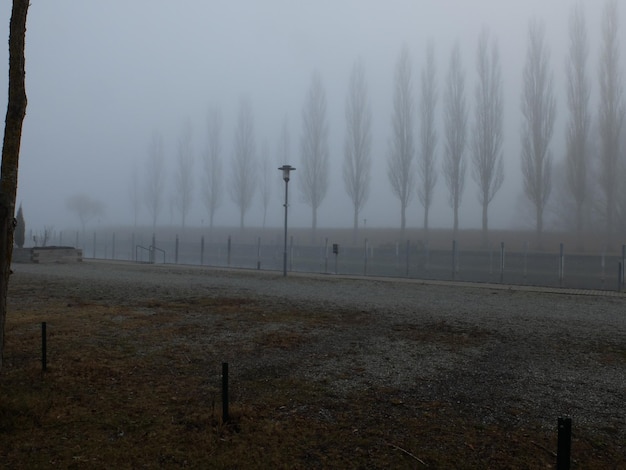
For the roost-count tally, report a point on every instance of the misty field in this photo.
(325, 371)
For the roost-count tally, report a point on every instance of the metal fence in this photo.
(554, 266)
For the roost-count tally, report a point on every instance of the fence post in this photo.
(258, 253)
(176, 251)
(44, 347)
(453, 260)
(623, 261)
(202, 250)
(564, 446)
(501, 262)
(94, 245)
(525, 260)
(291, 253)
(365, 259)
(561, 264)
(225, 414)
(326, 256)
(113, 247)
(228, 252)
(408, 247)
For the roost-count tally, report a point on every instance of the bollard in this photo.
(44, 347)
(564, 446)
(225, 415)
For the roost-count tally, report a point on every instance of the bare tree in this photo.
(400, 162)
(85, 208)
(426, 168)
(538, 110)
(267, 177)
(183, 178)
(357, 161)
(244, 161)
(16, 111)
(487, 169)
(212, 176)
(611, 114)
(283, 148)
(155, 177)
(455, 125)
(577, 131)
(314, 149)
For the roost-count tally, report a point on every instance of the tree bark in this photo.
(16, 110)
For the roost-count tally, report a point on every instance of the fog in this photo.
(103, 76)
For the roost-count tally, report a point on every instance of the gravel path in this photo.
(505, 354)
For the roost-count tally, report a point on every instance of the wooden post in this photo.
(225, 413)
(44, 347)
(564, 446)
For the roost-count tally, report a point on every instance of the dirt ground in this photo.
(325, 371)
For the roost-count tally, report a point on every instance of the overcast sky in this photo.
(103, 75)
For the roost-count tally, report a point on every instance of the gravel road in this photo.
(506, 354)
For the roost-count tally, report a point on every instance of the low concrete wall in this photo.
(47, 254)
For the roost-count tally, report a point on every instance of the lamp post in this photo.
(286, 169)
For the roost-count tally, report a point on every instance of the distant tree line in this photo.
(584, 192)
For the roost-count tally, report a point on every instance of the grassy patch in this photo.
(138, 384)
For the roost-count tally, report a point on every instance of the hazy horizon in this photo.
(102, 78)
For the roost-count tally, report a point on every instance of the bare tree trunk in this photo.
(485, 231)
(355, 226)
(16, 111)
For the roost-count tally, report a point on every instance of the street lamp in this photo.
(286, 169)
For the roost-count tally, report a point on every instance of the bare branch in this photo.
(426, 170)
(357, 161)
(539, 111)
(455, 121)
(487, 169)
(400, 166)
(244, 161)
(314, 149)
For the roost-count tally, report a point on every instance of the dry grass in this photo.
(138, 385)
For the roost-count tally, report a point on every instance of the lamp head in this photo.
(286, 169)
